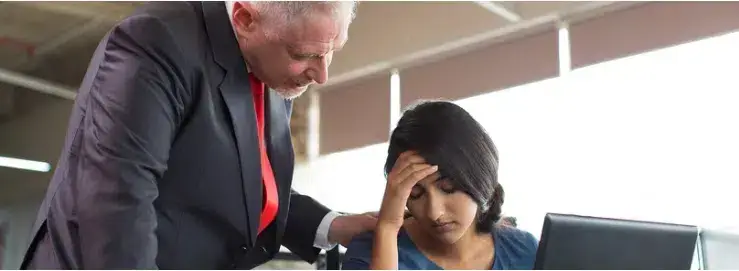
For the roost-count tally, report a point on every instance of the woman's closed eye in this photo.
(446, 187)
(416, 192)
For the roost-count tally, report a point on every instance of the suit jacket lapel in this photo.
(236, 92)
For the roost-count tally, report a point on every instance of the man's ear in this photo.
(244, 17)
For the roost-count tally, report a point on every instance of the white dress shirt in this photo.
(321, 240)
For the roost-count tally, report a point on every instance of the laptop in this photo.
(571, 242)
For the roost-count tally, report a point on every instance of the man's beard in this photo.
(290, 94)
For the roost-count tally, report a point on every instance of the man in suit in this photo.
(178, 152)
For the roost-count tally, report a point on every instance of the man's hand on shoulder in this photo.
(345, 227)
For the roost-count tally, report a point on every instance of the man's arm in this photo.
(131, 116)
(322, 241)
(315, 220)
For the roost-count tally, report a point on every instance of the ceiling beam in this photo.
(504, 10)
(77, 9)
(56, 43)
(68, 36)
(36, 84)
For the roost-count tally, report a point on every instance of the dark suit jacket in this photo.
(161, 168)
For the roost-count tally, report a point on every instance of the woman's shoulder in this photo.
(358, 253)
(362, 243)
(518, 246)
(513, 234)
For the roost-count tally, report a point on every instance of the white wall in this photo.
(351, 181)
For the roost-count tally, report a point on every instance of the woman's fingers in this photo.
(406, 154)
(412, 175)
(416, 176)
(406, 159)
(408, 171)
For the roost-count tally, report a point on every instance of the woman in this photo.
(443, 167)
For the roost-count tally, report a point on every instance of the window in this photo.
(649, 137)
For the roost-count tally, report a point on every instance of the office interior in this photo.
(600, 108)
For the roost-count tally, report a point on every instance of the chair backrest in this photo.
(333, 259)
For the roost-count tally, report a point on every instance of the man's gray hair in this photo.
(280, 12)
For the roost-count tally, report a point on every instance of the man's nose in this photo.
(319, 72)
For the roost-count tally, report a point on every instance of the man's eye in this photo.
(305, 56)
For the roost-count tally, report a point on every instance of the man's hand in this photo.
(345, 227)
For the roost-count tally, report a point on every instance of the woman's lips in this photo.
(444, 227)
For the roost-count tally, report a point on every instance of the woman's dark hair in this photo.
(511, 220)
(446, 135)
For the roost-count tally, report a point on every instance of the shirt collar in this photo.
(230, 12)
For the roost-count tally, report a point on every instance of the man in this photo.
(177, 157)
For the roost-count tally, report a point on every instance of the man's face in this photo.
(290, 58)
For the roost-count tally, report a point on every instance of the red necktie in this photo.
(270, 199)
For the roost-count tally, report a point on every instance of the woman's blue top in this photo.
(514, 249)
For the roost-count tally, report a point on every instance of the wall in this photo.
(21, 216)
(4, 221)
(38, 135)
(352, 181)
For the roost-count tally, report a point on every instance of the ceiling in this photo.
(49, 44)
(385, 31)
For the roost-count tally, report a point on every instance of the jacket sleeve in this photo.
(132, 108)
(303, 219)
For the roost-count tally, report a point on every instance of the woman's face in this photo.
(443, 211)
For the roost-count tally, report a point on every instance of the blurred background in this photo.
(611, 109)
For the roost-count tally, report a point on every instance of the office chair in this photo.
(333, 259)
